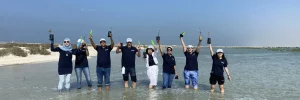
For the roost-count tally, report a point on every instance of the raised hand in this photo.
(158, 41)
(180, 36)
(200, 38)
(90, 37)
(109, 34)
(51, 37)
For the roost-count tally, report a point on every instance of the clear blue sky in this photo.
(231, 22)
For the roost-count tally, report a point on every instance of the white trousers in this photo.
(152, 73)
(64, 78)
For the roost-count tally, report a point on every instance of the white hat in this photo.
(102, 39)
(129, 40)
(150, 46)
(220, 50)
(169, 47)
(80, 40)
(189, 46)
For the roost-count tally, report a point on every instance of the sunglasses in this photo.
(128, 42)
(102, 41)
(66, 42)
(189, 48)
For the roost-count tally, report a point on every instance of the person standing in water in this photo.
(151, 64)
(82, 65)
(217, 72)
(169, 66)
(191, 65)
(128, 61)
(64, 63)
(103, 61)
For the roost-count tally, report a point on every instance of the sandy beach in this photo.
(13, 60)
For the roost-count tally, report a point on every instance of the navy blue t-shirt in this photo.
(81, 60)
(168, 63)
(128, 56)
(65, 65)
(218, 66)
(191, 62)
(103, 57)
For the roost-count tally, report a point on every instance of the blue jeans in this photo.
(86, 72)
(103, 72)
(191, 75)
(167, 80)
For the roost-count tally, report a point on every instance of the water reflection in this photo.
(129, 95)
(103, 95)
(214, 96)
(152, 94)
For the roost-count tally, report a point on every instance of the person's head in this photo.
(129, 42)
(102, 42)
(220, 53)
(169, 50)
(190, 48)
(80, 43)
(67, 42)
(150, 49)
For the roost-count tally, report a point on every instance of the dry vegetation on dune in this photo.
(32, 49)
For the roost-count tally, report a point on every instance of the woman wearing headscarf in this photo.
(151, 64)
(81, 64)
(64, 63)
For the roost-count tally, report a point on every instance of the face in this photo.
(169, 50)
(129, 43)
(103, 43)
(67, 43)
(220, 54)
(190, 49)
(149, 50)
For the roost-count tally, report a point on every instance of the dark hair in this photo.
(223, 57)
(147, 50)
(170, 48)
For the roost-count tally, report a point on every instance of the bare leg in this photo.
(133, 84)
(221, 88)
(187, 86)
(126, 84)
(107, 87)
(212, 88)
(99, 89)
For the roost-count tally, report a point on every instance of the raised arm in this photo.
(87, 51)
(160, 49)
(199, 43)
(138, 53)
(118, 49)
(183, 45)
(92, 42)
(211, 50)
(112, 42)
(54, 49)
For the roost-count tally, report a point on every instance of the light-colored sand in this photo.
(13, 60)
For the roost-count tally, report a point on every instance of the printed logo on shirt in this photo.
(132, 50)
(106, 49)
(222, 62)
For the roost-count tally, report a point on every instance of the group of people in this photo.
(129, 53)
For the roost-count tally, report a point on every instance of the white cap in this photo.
(189, 46)
(80, 41)
(102, 39)
(220, 50)
(170, 47)
(129, 40)
(150, 46)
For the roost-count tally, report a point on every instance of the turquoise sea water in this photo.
(257, 74)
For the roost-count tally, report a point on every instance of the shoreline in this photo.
(33, 59)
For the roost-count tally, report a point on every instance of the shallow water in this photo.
(256, 74)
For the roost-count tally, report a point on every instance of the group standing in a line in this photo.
(129, 53)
